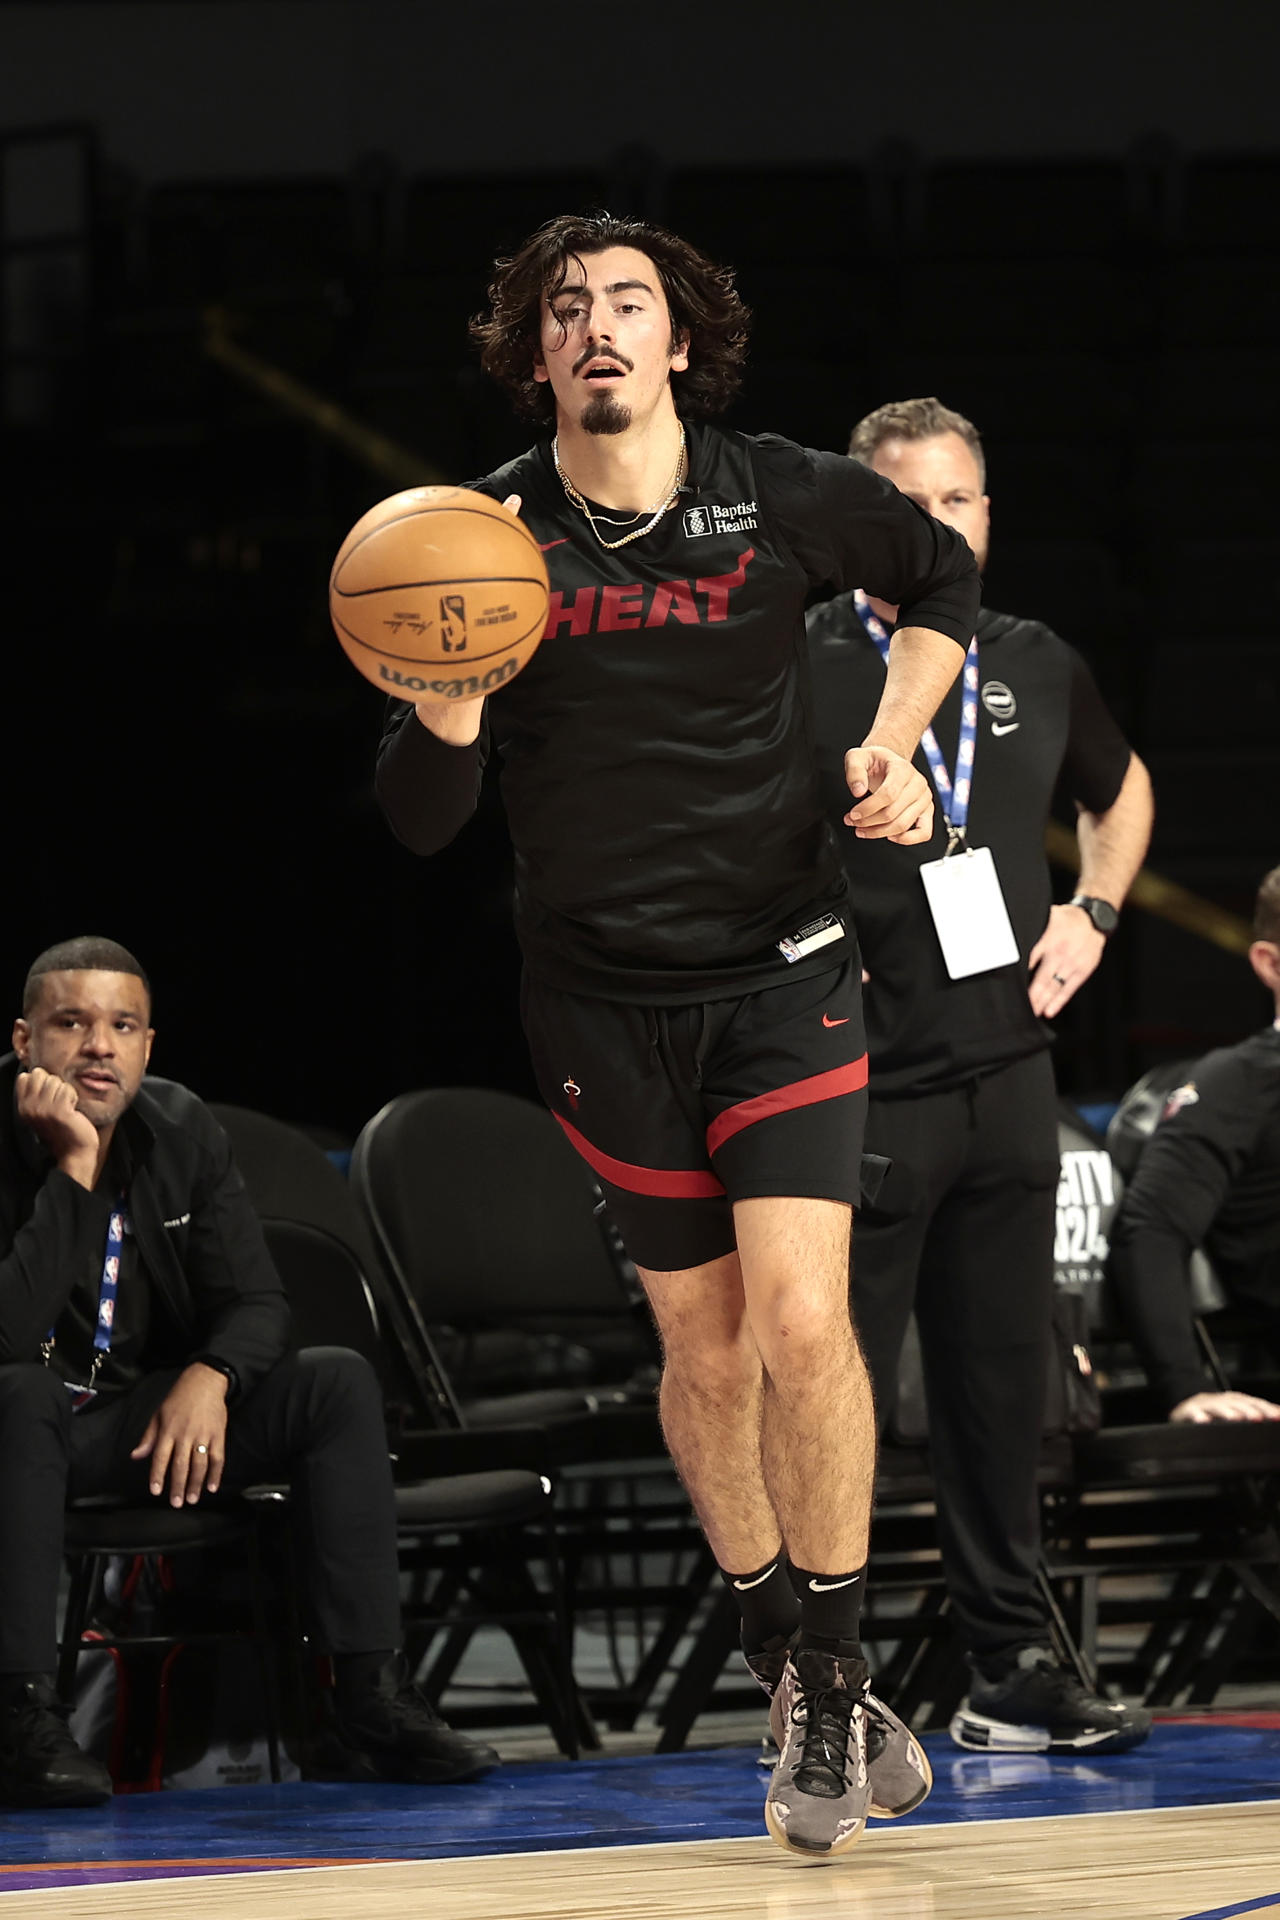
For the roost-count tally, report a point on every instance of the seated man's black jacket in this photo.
(215, 1293)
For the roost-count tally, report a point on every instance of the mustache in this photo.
(602, 353)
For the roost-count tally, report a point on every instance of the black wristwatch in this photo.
(1101, 912)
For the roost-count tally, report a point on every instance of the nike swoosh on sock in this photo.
(745, 1586)
(829, 1586)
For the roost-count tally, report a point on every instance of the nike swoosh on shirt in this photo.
(1011, 727)
(829, 1586)
(745, 1586)
(827, 1021)
(545, 546)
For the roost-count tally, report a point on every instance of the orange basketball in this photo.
(439, 594)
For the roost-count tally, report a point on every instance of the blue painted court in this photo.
(536, 1807)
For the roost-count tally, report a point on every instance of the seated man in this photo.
(1209, 1176)
(144, 1348)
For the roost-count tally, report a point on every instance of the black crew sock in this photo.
(767, 1603)
(830, 1609)
(356, 1675)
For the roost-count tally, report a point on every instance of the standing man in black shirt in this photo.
(966, 960)
(145, 1350)
(1209, 1177)
(691, 990)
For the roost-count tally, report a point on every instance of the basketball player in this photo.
(691, 992)
(963, 1100)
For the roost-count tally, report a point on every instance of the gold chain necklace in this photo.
(664, 505)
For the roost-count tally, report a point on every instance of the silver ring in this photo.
(202, 1449)
(1061, 979)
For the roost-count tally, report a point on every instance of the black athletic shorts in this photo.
(680, 1111)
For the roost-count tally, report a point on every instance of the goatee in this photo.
(604, 414)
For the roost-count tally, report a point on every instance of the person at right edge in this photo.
(1210, 1177)
(966, 961)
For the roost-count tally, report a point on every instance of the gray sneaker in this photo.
(820, 1793)
(897, 1765)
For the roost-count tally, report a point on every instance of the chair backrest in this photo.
(480, 1205)
(290, 1178)
(1136, 1117)
(330, 1298)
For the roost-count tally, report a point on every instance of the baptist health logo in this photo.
(702, 520)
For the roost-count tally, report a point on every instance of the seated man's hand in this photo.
(186, 1435)
(48, 1105)
(1202, 1407)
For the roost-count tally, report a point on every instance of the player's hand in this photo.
(457, 722)
(49, 1105)
(192, 1415)
(1200, 1408)
(1062, 959)
(891, 800)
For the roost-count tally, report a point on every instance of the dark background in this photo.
(1066, 225)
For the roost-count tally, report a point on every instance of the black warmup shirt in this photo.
(658, 760)
(1209, 1176)
(1041, 720)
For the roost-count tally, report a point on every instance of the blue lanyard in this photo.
(108, 1287)
(954, 798)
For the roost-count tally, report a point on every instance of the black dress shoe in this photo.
(400, 1736)
(40, 1764)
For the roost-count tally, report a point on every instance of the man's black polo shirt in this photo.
(1041, 722)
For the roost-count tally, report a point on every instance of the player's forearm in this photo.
(922, 665)
(1113, 844)
(1151, 1271)
(426, 786)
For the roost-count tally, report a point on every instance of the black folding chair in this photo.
(470, 1528)
(486, 1221)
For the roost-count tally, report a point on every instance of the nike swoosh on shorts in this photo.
(827, 1021)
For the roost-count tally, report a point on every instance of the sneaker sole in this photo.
(778, 1833)
(976, 1733)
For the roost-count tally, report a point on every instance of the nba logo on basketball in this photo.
(696, 521)
(453, 623)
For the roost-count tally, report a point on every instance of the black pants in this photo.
(315, 1421)
(963, 1231)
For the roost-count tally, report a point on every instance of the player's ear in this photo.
(22, 1039)
(539, 365)
(1264, 958)
(680, 351)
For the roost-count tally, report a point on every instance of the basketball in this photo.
(439, 594)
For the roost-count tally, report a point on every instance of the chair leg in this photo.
(263, 1643)
(84, 1574)
(696, 1680)
(1058, 1622)
(583, 1728)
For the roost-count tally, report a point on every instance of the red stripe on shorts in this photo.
(661, 1182)
(800, 1093)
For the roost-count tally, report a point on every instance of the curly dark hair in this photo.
(701, 296)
